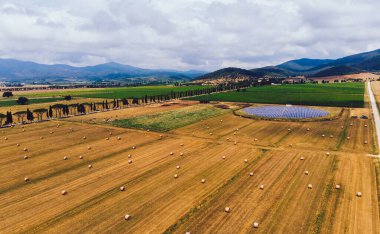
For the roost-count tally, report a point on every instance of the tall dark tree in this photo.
(29, 115)
(9, 118)
(50, 112)
(125, 102)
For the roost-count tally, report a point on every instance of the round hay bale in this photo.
(181, 154)
(255, 139)
(130, 161)
(26, 179)
(42, 138)
(161, 136)
(122, 188)
(289, 129)
(261, 187)
(110, 133)
(65, 158)
(80, 157)
(17, 144)
(203, 181)
(235, 143)
(175, 176)
(337, 186)
(308, 129)
(331, 136)
(5, 138)
(227, 138)
(365, 142)
(134, 147)
(89, 147)
(26, 157)
(246, 160)
(365, 125)
(207, 127)
(302, 158)
(127, 217)
(221, 120)
(89, 166)
(348, 138)
(351, 124)
(323, 135)
(306, 172)
(234, 133)
(171, 153)
(63, 192)
(309, 186)
(251, 174)
(129, 156)
(178, 167)
(181, 144)
(107, 138)
(237, 129)
(342, 127)
(84, 137)
(210, 133)
(290, 145)
(223, 157)
(23, 130)
(51, 132)
(227, 209)
(359, 194)
(256, 225)
(25, 149)
(327, 153)
(119, 138)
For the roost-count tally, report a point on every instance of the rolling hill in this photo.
(23, 71)
(353, 64)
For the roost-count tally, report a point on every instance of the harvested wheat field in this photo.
(223, 174)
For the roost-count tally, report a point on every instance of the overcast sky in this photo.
(186, 34)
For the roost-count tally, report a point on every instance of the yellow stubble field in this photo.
(158, 202)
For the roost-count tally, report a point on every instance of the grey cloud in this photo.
(186, 34)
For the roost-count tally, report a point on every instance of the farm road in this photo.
(376, 115)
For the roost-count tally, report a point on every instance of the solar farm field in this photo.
(341, 95)
(221, 174)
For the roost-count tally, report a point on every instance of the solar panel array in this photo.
(290, 112)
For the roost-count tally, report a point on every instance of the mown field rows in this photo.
(324, 135)
(214, 149)
(341, 95)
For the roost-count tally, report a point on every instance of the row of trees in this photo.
(64, 110)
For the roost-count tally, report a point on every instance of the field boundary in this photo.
(239, 112)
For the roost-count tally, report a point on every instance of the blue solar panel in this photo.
(291, 112)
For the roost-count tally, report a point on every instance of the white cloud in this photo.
(186, 34)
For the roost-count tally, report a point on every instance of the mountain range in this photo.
(353, 64)
(12, 70)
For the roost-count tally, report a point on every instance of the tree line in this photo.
(60, 110)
